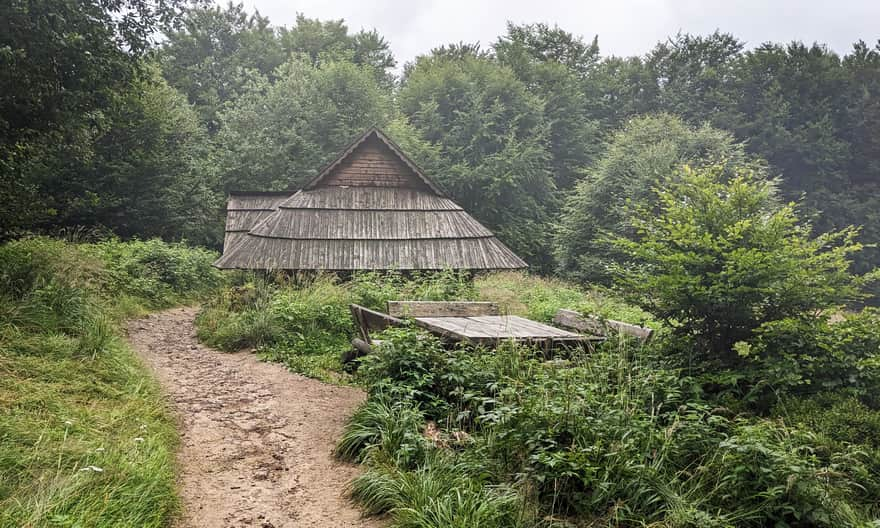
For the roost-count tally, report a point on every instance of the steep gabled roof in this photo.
(371, 208)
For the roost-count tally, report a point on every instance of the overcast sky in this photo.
(625, 27)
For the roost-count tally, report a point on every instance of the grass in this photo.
(440, 492)
(539, 298)
(305, 322)
(85, 438)
(64, 413)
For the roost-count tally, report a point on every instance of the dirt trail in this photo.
(256, 440)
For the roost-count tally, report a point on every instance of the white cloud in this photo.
(625, 27)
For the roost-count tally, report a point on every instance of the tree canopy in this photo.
(637, 157)
(539, 135)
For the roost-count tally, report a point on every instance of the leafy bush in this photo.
(721, 259)
(407, 365)
(613, 436)
(812, 355)
(159, 272)
(840, 417)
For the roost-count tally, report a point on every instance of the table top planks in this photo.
(490, 328)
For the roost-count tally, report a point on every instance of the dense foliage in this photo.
(615, 438)
(84, 434)
(539, 120)
(624, 436)
(306, 324)
(720, 259)
(746, 287)
(637, 157)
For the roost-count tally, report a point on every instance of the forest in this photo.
(107, 127)
(724, 194)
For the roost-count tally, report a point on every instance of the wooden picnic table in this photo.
(490, 329)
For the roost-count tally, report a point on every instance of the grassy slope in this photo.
(65, 414)
(85, 438)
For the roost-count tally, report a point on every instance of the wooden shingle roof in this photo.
(371, 208)
(245, 210)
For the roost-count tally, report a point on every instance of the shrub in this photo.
(407, 365)
(840, 417)
(159, 272)
(721, 259)
(806, 356)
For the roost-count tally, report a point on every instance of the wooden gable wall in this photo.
(373, 164)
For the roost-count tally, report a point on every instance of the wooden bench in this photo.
(442, 308)
(601, 327)
(367, 321)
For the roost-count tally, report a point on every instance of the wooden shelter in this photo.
(371, 208)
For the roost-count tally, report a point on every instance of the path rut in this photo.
(256, 439)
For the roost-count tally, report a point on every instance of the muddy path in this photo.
(256, 440)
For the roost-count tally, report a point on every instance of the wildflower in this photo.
(68, 423)
(139, 439)
(96, 469)
(99, 449)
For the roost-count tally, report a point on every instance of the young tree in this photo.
(647, 149)
(723, 258)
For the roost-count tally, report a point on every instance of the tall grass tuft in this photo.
(384, 428)
(438, 493)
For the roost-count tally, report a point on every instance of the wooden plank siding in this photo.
(370, 166)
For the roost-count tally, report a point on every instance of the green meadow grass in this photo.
(86, 439)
